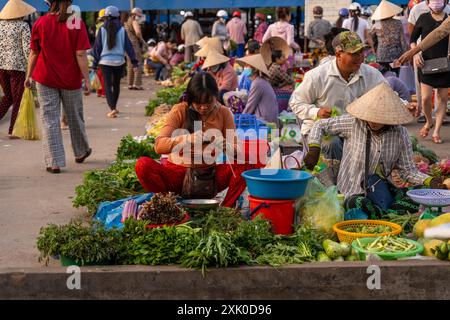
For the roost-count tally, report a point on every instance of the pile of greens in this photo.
(132, 149)
(170, 96)
(116, 182)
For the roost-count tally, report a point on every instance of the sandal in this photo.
(436, 139)
(112, 114)
(425, 131)
(81, 159)
(53, 169)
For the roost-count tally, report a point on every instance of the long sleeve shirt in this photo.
(278, 77)
(237, 30)
(191, 32)
(160, 53)
(284, 30)
(389, 150)
(324, 86)
(171, 140)
(15, 38)
(436, 36)
(262, 101)
(317, 29)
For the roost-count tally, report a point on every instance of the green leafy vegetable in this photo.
(132, 149)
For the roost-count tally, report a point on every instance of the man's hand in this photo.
(312, 157)
(418, 60)
(413, 107)
(324, 113)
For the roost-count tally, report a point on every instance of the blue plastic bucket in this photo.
(276, 184)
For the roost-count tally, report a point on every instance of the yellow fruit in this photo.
(431, 244)
(420, 226)
(443, 218)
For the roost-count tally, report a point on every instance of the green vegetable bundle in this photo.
(116, 182)
(387, 244)
(369, 229)
(132, 149)
(170, 96)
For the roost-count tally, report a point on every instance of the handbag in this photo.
(199, 183)
(375, 187)
(438, 65)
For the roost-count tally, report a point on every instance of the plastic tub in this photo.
(276, 184)
(279, 212)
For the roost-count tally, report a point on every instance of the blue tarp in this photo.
(96, 5)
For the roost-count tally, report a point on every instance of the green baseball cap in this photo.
(348, 41)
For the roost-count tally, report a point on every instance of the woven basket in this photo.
(349, 237)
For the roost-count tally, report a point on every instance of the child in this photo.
(278, 78)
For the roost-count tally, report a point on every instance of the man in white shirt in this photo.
(335, 83)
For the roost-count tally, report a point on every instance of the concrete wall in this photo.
(399, 280)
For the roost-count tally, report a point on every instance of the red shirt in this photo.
(57, 65)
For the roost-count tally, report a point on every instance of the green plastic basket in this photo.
(387, 255)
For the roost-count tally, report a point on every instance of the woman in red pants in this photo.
(191, 129)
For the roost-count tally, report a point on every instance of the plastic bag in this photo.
(110, 212)
(26, 126)
(320, 208)
(95, 81)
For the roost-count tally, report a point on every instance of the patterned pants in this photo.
(135, 78)
(50, 100)
(12, 83)
(402, 204)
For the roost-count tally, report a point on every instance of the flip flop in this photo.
(436, 139)
(81, 159)
(425, 131)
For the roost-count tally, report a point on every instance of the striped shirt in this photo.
(389, 150)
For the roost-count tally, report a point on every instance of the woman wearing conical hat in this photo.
(15, 38)
(374, 120)
(262, 100)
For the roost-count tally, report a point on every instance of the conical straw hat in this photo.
(201, 43)
(274, 43)
(210, 44)
(380, 105)
(386, 10)
(256, 61)
(15, 9)
(213, 59)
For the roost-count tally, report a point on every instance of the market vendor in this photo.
(262, 100)
(335, 83)
(374, 123)
(180, 131)
(219, 66)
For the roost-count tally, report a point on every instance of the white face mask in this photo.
(140, 20)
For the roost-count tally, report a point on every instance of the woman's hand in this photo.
(418, 61)
(28, 82)
(408, 55)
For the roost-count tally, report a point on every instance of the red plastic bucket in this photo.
(255, 151)
(279, 212)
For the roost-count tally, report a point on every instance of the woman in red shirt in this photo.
(58, 63)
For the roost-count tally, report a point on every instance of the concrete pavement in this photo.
(30, 197)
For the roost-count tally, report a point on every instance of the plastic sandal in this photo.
(436, 139)
(425, 131)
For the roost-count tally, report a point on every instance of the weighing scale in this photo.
(430, 198)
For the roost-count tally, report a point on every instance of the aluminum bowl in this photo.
(200, 204)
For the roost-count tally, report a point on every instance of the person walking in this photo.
(191, 33)
(261, 22)
(343, 14)
(237, 30)
(426, 23)
(282, 28)
(219, 29)
(14, 40)
(390, 35)
(317, 29)
(358, 25)
(58, 63)
(134, 32)
(109, 53)
(101, 93)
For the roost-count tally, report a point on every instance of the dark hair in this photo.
(60, 8)
(283, 12)
(112, 27)
(201, 89)
(339, 21)
(329, 39)
(276, 54)
(354, 14)
(253, 46)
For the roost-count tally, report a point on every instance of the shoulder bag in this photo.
(438, 65)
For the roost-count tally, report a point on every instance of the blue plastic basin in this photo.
(276, 184)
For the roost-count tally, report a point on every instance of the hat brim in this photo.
(358, 48)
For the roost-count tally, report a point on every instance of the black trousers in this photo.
(112, 76)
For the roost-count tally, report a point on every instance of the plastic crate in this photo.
(248, 127)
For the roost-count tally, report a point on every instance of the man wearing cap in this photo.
(237, 31)
(334, 84)
(191, 33)
(375, 143)
(317, 29)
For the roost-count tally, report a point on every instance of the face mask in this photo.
(247, 72)
(436, 5)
